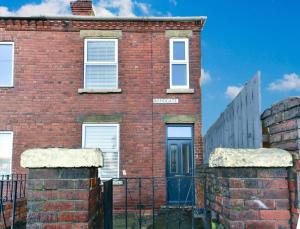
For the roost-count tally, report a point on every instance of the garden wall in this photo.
(63, 188)
(281, 128)
(248, 188)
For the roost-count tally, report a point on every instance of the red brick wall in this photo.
(43, 107)
(82, 7)
(64, 198)
(20, 213)
(281, 125)
(245, 198)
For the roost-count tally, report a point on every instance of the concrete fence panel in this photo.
(239, 125)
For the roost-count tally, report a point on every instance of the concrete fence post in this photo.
(63, 188)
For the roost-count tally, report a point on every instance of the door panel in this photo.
(179, 172)
(186, 156)
(174, 155)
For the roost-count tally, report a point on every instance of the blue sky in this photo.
(239, 38)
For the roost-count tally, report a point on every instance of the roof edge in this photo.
(96, 18)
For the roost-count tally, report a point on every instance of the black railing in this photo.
(12, 185)
(153, 202)
(12, 188)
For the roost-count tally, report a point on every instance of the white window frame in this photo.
(12, 146)
(13, 63)
(118, 140)
(186, 62)
(86, 62)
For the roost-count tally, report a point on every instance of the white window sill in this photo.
(115, 182)
(180, 91)
(98, 91)
(3, 87)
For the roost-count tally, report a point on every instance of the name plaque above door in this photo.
(165, 101)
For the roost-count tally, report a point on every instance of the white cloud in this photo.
(287, 83)
(104, 8)
(174, 2)
(46, 7)
(145, 8)
(123, 8)
(4, 11)
(233, 91)
(205, 77)
(100, 10)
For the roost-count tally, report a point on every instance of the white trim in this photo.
(100, 62)
(13, 63)
(180, 91)
(98, 91)
(118, 139)
(99, 18)
(12, 145)
(185, 62)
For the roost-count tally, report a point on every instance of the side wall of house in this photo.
(44, 109)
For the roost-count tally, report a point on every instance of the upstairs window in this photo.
(6, 147)
(179, 63)
(106, 138)
(101, 64)
(6, 64)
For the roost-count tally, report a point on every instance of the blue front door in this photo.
(180, 189)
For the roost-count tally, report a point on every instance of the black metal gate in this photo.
(108, 204)
(12, 189)
(142, 203)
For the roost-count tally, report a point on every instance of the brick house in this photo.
(130, 86)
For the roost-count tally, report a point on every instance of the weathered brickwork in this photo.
(77, 24)
(20, 213)
(63, 198)
(248, 197)
(43, 109)
(82, 7)
(281, 125)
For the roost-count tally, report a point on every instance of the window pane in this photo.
(178, 50)
(105, 138)
(101, 76)
(180, 132)
(179, 77)
(174, 158)
(110, 166)
(6, 144)
(101, 51)
(6, 65)
(185, 158)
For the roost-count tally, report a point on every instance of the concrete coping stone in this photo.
(61, 158)
(262, 157)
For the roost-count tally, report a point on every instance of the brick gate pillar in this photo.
(248, 188)
(281, 126)
(63, 188)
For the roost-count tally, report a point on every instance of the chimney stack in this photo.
(82, 7)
